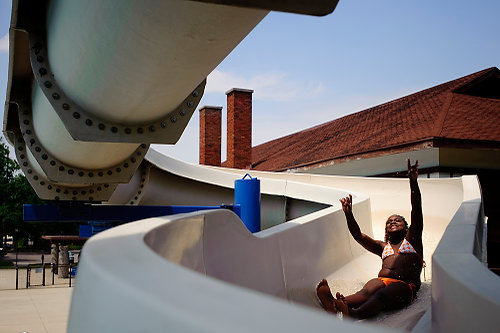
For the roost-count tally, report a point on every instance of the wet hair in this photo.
(402, 218)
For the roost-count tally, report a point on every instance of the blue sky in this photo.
(309, 70)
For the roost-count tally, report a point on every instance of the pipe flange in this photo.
(61, 172)
(84, 126)
(48, 190)
(145, 171)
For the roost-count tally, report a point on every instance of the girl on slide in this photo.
(402, 251)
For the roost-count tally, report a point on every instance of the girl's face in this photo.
(394, 223)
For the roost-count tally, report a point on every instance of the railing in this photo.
(44, 266)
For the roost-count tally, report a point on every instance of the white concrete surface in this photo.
(177, 297)
(462, 284)
(207, 272)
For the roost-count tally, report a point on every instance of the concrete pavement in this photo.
(33, 310)
(41, 310)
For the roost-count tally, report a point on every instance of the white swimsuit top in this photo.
(405, 247)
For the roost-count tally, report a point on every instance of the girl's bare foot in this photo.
(341, 305)
(322, 283)
(325, 297)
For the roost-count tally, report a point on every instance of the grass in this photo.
(4, 264)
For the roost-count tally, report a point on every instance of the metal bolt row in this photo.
(50, 187)
(71, 171)
(141, 187)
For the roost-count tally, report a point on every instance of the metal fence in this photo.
(39, 275)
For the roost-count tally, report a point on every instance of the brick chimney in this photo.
(210, 135)
(239, 128)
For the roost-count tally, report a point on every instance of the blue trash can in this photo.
(247, 195)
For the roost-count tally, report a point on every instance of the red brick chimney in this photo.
(210, 135)
(239, 128)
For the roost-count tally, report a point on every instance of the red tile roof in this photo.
(450, 111)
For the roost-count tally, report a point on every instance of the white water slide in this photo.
(93, 83)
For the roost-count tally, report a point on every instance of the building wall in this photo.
(433, 163)
(427, 158)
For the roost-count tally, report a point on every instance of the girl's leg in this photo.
(370, 308)
(396, 295)
(332, 305)
(369, 289)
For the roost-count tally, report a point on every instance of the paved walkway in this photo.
(37, 309)
(44, 310)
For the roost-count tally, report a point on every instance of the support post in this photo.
(43, 270)
(27, 276)
(54, 256)
(63, 261)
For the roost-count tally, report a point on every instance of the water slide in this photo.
(89, 91)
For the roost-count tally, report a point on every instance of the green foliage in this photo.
(75, 247)
(7, 166)
(16, 191)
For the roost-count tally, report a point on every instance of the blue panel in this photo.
(85, 231)
(98, 226)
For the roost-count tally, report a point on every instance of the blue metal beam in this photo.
(109, 213)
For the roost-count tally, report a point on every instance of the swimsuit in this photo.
(405, 247)
(396, 294)
(388, 281)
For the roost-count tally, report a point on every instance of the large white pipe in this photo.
(131, 62)
(51, 132)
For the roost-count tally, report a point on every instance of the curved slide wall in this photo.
(205, 271)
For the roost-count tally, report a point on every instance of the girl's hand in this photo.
(346, 204)
(412, 170)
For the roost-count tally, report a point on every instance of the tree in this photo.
(14, 192)
(7, 169)
(7, 166)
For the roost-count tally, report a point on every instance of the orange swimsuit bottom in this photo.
(388, 281)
